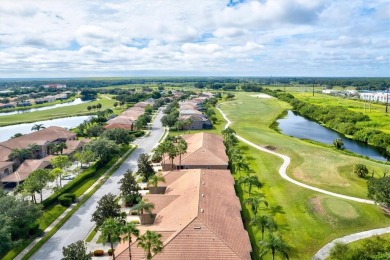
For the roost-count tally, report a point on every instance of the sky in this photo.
(74, 38)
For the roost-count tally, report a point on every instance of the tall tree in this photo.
(37, 127)
(129, 188)
(61, 162)
(76, 251)
(107, 208)
(145, 168)
(150, 242)
(111, 231)
(129, 229)
(35, 183)
(379, 190)
(251, 180)
(181, 148)
(262, 223)
(103, 148)
(254, 203)
(275, 244)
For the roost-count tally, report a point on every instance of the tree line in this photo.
(273, 243)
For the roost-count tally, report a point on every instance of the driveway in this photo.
(79, 225)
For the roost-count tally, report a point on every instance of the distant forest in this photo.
(202, 82)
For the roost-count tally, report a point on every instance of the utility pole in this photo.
(387, 99)
(313, 90)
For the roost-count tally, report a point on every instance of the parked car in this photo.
(68, 177)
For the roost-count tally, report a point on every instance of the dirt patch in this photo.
(316, 206)
(301, 176)
(271, 147)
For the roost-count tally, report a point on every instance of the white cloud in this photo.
(266, 36)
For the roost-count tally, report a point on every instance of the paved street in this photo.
(79, 225)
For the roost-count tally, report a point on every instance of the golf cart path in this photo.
(324, 251)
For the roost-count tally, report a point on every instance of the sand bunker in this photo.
(261, 96)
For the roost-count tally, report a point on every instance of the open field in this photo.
(307, 220)
(76, 110)
(316, 165)
(379, 119)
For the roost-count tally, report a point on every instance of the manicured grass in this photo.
(380, 120)
(317, 165)
(307, 220)
(76, 110)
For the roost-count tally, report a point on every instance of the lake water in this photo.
(67, 122)
(300, 127)
(77, 101)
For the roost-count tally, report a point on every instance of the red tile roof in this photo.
(199, 219)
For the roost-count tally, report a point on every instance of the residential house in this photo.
(5, 169)
(54, 86)
(198, 216)
(198, 122)
(25, 169)
(204, 151)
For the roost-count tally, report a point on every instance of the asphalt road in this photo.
(79, 225)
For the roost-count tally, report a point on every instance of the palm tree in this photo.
(254, 202)
(142, 206)
(150, 242)
(61, 146)
(240, 164)
(111, 230)
(172, 152)
(227, 131)
(181, 148)
(275, 244)
(37, 127)
(129, 229)
(34, 148)
(251, 180)
(262, 223)
(20, 155)
(154, 179)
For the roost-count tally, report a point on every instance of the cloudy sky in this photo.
(76, 38)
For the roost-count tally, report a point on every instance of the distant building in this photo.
(374, 96)
(54, 86)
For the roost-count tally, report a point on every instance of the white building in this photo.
(374, 96)
(55, 86)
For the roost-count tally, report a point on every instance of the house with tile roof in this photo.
(198, 217)
(204, 151)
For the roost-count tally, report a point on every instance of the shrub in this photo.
(70, 195)
(360, 170)
(65, 201)
(98, 252)
(33, 229)
(109, 252)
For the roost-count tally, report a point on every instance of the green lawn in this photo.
(307, 220)
(107, 101)
(317, 165)
(379, 118)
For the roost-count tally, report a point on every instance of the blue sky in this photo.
(179, 38)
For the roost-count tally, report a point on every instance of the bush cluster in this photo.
(67, 199)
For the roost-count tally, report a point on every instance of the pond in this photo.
(77, 101)
(303, 128)
(67, 122)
